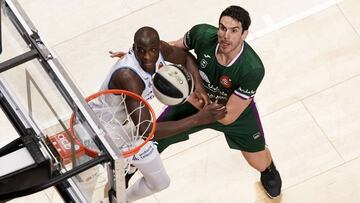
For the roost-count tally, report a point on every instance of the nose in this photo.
(147, 55)
(227, 34)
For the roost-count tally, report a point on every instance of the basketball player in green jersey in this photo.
(231, 72)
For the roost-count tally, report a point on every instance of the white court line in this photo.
(272, 26)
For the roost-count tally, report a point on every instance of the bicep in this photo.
(179, 43)
(173, 54)
(127, 79)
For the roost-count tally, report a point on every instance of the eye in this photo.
(234, 30)
(153, 50)
(222, 28)
(141, 51)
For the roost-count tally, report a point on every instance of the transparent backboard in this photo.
(45, 104)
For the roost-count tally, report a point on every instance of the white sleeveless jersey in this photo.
(111, 109)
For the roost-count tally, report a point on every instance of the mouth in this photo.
(149, 66)
(224, 44)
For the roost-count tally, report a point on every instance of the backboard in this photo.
(39, 95)
(0, 35)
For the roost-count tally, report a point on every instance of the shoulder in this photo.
(203, 28)
(125, 73)
(252, 58)
(124, 78)
(128, 62)
(126, 67)
(199, 34)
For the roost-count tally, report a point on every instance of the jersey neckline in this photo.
(234, 59)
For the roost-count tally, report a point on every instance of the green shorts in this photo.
(244, 134)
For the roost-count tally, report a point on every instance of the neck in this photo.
(226, 58)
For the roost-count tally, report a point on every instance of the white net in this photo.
(126, 119)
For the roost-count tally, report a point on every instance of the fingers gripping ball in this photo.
(172, 84)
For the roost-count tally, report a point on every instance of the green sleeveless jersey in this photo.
(241, 77)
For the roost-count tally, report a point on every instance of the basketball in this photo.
(172, 84)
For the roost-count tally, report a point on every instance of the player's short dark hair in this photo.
(238, 13)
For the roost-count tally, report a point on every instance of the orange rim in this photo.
(93, 153)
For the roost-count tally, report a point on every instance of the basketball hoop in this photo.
(119, 123)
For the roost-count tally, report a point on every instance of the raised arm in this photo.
(178, 43)
(181, 56)
(126, 79)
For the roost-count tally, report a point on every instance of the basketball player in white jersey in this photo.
(133, 72)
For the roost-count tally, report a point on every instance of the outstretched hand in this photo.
(201, 94)
(199, 98)
(211, 113)
(119, 54)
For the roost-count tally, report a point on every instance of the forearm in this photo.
(178, 54)
(185, 58)
(228, 119)
(209, 114)
(192, 66)
(235, 107)
(168, 128)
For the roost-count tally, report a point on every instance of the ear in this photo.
(244, 34)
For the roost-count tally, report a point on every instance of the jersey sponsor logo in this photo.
(203, 63)
(149, 96)
(256, 135)
(146, 151)
(225, 81)
(134, 158)
(204, 77)
(218, 98)
(215, 93)
(246, 91)
(207, 56)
